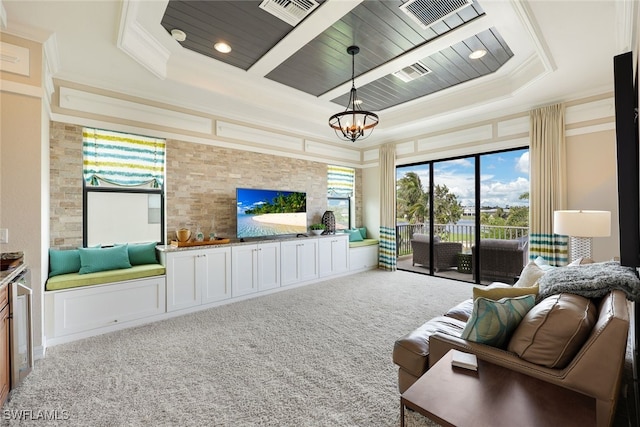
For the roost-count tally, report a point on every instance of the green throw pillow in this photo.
(363, 232)
(93, 260)
(63, 261)
(355, 236)
(493, 322)
(142, 253)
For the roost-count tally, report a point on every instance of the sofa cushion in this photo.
(497, 291)
(529, 276)
(553, 331)
(63, 261)
(93, 260)
(493, 322)
(462, 311)
(411, 352)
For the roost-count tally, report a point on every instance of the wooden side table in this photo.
(494, 396)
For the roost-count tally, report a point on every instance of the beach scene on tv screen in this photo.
(270, 212)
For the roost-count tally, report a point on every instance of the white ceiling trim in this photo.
(526, 18)
(86, 102)
(14, 59)
(139, 44)
(322, 18)
(626, 11)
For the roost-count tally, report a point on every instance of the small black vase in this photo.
(329, 221)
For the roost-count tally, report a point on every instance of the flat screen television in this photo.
(268, 213)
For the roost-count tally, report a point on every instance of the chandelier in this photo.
(353, 122)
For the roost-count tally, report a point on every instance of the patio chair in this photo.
(501, 260)
(444, 253)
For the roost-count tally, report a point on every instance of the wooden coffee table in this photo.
(494, 396)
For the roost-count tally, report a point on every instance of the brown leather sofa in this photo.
(595, 370)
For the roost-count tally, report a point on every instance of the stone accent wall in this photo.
(202, 181)
(200, 189)
(65, 185)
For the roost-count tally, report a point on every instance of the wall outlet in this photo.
(4, 235)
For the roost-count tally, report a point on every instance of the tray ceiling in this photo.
(291, 78)
(382, 30)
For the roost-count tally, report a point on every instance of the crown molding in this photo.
(139, 44)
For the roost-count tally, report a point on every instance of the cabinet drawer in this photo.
(94, 307)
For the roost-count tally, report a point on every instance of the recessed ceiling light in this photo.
(178, 35)
(222, 47)
(476, 54)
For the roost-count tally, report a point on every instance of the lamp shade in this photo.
(582, 223)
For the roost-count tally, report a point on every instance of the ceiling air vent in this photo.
(290, 11)
(427, 12)
(412, 72)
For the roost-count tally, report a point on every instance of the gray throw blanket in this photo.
(591, 281)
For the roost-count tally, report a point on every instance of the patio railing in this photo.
(462, 233)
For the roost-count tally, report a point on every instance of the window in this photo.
(123, 183)
(340, 190)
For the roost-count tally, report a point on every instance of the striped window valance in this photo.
(340, 181)
(122, 159)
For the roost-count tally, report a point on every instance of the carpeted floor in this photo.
(318, 355)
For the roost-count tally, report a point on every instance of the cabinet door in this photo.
(5, 372)
(183, 290)
(308, 260)
(268, 266)
(244, 277)
(216, 282)
(332, 255)
(339, 254)
(289, 262)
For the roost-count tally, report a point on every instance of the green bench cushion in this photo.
(74, 280)
(363, 242)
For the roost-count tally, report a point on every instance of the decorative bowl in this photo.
(183, 234)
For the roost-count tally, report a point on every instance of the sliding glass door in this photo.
(504, 215)
(447, 209)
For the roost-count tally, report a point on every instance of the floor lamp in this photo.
(581, 226)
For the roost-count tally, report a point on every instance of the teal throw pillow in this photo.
(63, 261)
(142, 253)
(355, 236)
(493, 322)
(93, 260)
(363, 232)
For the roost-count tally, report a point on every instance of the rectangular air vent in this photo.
(289, 11)
(427, 12)
(412, 72)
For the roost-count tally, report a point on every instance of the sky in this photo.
(248, 198)
(503, 178)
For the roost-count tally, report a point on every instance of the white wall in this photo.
(371, 201)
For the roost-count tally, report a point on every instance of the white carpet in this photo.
(318, 355)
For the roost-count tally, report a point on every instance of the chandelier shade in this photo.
(353, 123)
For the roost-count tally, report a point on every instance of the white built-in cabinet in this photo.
(255, 268)
(333, 255)
(197, 277)
(299, 261)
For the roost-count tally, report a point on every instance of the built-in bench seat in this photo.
(96, 290)
(363, 242)
(74, 280)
